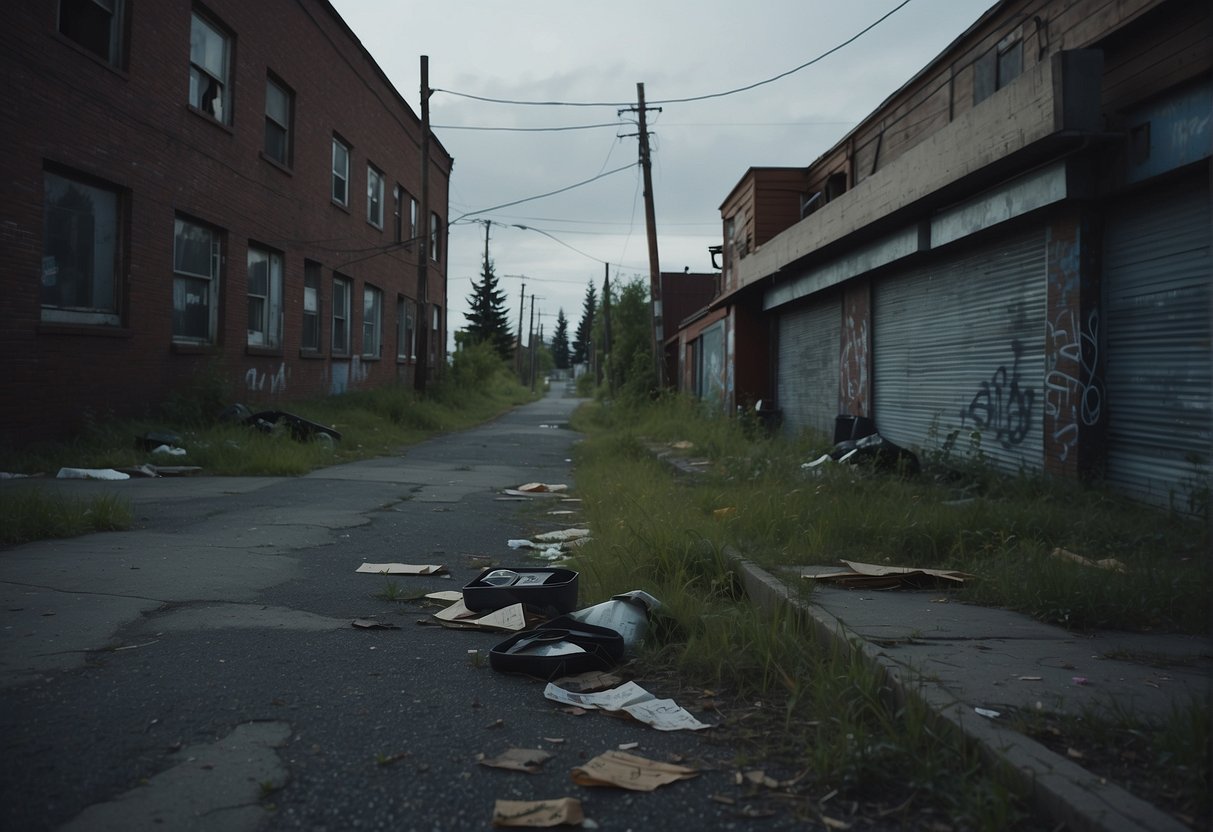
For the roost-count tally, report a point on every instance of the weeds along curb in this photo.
(1052, 785)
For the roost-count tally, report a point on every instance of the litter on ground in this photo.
(402, 568)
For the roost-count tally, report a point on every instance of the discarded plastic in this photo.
(169, 450)
(632, 699)
(626, 614)
(987, 713)
(91, 474)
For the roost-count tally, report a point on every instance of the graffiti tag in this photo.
(1001, 406)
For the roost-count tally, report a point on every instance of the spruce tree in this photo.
(487, 319)
(585, 329)
(560, 341)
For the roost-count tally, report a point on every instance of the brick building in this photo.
(1011, 254)
(224, 191)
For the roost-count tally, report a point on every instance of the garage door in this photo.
(808, 365)
(958, 348)
(1157, 309)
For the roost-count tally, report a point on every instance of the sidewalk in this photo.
(957, 658)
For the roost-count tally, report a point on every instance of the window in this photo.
(372, 319)
(374, 197)
(264, 298)
(195, 282)
(397, 214)
(278, 107)
(209, 61)
(341, 316)
(998, 67)
(406, 328)
(341, 172)
(412, 218)
(311, 306)
(434, 334)
(435, 238)
(81, 252)
(95, 25)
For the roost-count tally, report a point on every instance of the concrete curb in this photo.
(1053, 785)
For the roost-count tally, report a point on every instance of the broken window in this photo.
(310, 340)
(372, 320)
(341, 315)
(264, 298)
(95, 25)
(278, 106)
(997, 67)
(81, 247)
(195, 282)
(209, 67)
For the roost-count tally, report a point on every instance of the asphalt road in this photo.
(202, 672)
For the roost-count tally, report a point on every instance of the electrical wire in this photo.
(543, 196)
(526, 129)
(687, 99)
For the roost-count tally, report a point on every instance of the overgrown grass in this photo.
(373, 423)
(1170, 758)
(819, 712)
(34, 514)
(1002, 529)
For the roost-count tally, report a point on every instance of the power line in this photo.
(613, 124)
(543, 196)
(688, 99)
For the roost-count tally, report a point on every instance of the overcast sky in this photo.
(575, 51)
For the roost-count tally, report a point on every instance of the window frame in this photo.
(344, 176)
(272, 122)
(372, 323)
(224, 96)
(340, 315)
(435, 237)
(406, 328)
(312, 281)
(268, 335)
(212, 279)
(376, 183)
(116, 29)
(108, 313)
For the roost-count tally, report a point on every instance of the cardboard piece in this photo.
(1111, 564)
(563, 811)
(448, 595)
(511, 619)
(526, 760)
(401, 569)
(629, 771)
(875, 576)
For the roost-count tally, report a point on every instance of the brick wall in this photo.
(130, 128)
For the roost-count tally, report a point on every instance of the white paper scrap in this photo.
(662, 714)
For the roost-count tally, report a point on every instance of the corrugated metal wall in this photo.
(809, 338)
(1157, 308)
(959, 346)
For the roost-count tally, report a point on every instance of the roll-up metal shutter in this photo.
(809, 338)
(958, 346)
(1157, 378)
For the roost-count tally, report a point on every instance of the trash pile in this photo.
(573, 649)
(857, 441)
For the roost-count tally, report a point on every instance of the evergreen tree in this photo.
(560, 341)
(585, 329)
(487, 319)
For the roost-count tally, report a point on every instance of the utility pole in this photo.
(518, 352)
(531, 342)
(423, 275)
(650, 221)
(606, 325)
